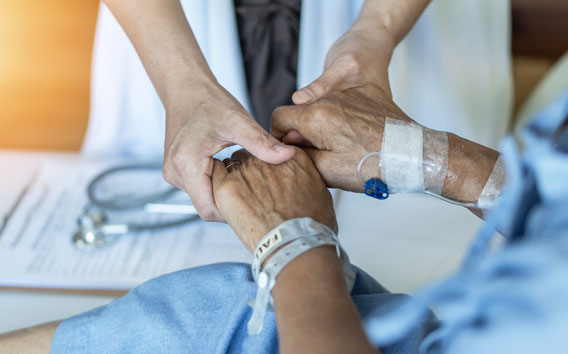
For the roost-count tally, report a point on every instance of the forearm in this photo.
(314, 312)
(34, 340)
(469, 168)
(415, 159)
(392, 17)
(165, 43)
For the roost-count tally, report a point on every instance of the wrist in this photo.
(189, 89)
(320, 273)
(288, 243)
(376, 31)
(469, 168)
(378, 19)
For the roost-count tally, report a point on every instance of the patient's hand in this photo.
(255, 196)
(343, 127)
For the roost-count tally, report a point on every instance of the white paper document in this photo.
(36, 248)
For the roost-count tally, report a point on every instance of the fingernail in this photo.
(281, 148)
(305, 95)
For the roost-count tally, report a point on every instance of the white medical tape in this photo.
(493, 186)
(267, 278)
(401, 157)
(284, 233)
(435, 160)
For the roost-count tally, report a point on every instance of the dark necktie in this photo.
(268, 32)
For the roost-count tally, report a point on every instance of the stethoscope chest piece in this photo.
(136, 196)
(90, 232)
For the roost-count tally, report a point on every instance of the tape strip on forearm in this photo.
(414, 159)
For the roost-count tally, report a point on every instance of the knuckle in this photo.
(167, 175)
(228, 187)
(282, 118)
(227, 190)
(351, 63)
(278, 112)
(320, 109)
(177, 158)
(208, 215)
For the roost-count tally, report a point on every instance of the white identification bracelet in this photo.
(267, 278)
(284, 233)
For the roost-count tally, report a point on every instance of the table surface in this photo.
(405, 242)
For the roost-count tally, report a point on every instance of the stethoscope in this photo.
(94, 228)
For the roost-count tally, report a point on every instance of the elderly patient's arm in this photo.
(33, 340)
(314, 312)
(342, 127)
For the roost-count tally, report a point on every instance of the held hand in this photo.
(359, 57)
(198, 129)
(342, 127)
(255, 197)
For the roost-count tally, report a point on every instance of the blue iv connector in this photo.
(376, 188)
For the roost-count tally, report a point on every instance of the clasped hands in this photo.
(334, 132)
(331, 136)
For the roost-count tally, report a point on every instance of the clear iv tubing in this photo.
(451, 201)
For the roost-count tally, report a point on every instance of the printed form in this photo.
(36, 249)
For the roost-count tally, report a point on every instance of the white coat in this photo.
(452, 72)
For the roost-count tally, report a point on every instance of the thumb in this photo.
(264, 146)
(318, 88)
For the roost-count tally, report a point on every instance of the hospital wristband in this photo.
(267, 278)
(284, 233)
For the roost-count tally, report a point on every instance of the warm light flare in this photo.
(45, 55)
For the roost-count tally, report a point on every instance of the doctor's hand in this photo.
(255, 197)
(199, 124)
(361, 56)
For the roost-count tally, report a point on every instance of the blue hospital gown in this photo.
(512, 300)
(515, 299)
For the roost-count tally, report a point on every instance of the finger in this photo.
(198, 185)
(285, 119)
(231, 164)
(295, 138)
(241, 155)
(259, 143)
(318, 88)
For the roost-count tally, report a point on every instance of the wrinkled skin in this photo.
(197, 130)
(255, 196)
(338, 130)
